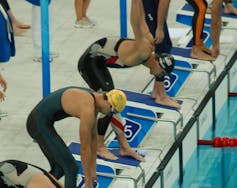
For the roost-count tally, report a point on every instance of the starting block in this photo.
(176, 79)
(102, 181)
(108, 170)
(141, 114)
(183, 55)
(136, 129)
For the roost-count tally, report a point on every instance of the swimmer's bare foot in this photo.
(105, 153)
(161, 97)
(168, 101)
(204, 48)
(215, 52)
(230, 9)
(173, 99)
(197, 53)
(154, 96)
(131, 153)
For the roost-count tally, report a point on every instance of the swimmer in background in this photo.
(116, 52)
(199, 49)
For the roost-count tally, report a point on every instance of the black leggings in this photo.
(21, 167)
(96, 73)
(60, 158)
(98, 77)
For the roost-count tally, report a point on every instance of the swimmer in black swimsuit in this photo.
(17, 174)
(83, 104)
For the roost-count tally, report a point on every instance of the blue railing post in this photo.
(123, 18)
(44, 6)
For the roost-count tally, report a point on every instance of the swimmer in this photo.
(14, 173)
(199, 49)
(81, 103)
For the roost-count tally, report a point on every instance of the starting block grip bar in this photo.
(155, 120)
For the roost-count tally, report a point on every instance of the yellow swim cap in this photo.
(117, 99)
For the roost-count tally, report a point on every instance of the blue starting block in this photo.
(139, 121)
(174, 81)
(102, 181)
(106, 169)
(185, 53)
(135, 128)
(145, 99)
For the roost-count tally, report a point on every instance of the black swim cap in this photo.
(167, 62)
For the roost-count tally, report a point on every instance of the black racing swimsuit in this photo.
(93, 64)
(17, 174)
(40, 126)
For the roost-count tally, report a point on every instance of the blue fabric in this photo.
(7, 47)
(36, 2)
(150, 9)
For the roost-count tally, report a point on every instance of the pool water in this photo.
(211, 167)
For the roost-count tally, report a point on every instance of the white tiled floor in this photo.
(25, 80)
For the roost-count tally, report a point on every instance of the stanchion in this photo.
(44, 6)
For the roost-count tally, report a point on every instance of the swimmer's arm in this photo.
(137, 20)
(87, 122)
